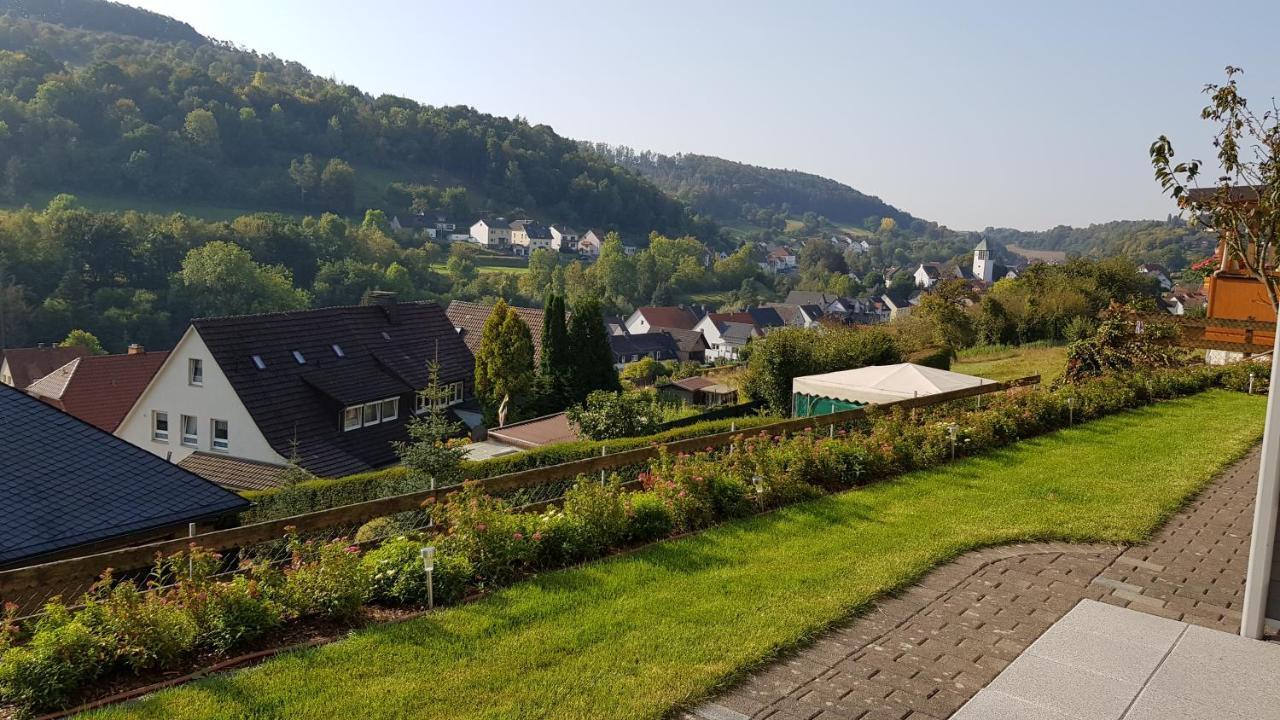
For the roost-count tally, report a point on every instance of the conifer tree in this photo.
(591, 361)
(504, 362)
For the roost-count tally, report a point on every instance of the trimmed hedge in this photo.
(328, 493)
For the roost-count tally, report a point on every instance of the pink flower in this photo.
(537, 536)
(481, 527)
(353, 549)
(681, 494)
(518, 536)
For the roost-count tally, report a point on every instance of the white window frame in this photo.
(347, 412)
(157, 434)
(376, 406)
(390, 409)
(195, 372)
(192, 440)
(223, 445)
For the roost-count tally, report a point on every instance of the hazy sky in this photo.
(1020, 114)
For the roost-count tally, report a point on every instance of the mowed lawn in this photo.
(637, 635)
(1049, 362)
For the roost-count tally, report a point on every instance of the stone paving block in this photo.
(1068, 690)
(1101, 654)
(991, 705)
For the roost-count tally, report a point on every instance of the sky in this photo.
(971, 114)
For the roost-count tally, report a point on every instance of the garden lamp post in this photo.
(429, 564)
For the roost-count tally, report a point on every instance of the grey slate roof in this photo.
(659, 344)
(65, 483)
(386, 350)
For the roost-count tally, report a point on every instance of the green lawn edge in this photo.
(641, 635)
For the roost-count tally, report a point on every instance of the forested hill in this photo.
(100, 16)
(1171, 242)
(734, 192)
(147, 119)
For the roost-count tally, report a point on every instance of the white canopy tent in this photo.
(883, 383)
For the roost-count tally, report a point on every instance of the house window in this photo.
(372, 413)
(450, 394)
(258, 363)
(351, 418)
(298, 356)
(221, 435)
(195, 371)
(160, 426)
(337, 350)
(190, 430)
(390, 409)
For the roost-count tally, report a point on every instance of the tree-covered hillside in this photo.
(1172, 243)
(104, 16)
(87, 111)
(735, 192)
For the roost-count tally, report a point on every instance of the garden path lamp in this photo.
(953, 430)
(429, 564)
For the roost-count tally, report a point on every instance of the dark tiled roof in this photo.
(643, 344)
(669, 317)
(686, 340)
(384, 348)
(232, 472)
(66, 483)
(694, 383)
(533, 229)
(27, 365)
(469, 317)
(99, 389)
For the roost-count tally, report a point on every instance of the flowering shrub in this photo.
(596, 517)
(150, 630)
(62, 656)
(323, 579)
(489, 534)
(648, 518)
(398, 576)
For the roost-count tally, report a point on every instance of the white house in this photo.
(652, 319)
(591, 242)
(334, 387)
(494, 234)
(896, 310)
(727, 333)
(1159, 273)
(530, 235)
(564, 238)
(983, 267)
(927, 275)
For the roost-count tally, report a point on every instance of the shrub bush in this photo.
(146, 630)
(596, 515)
(60, 659)
(648, 518)
(324, 579)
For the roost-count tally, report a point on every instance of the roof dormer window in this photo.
(298, 356)
(258, 363)
(337, 350)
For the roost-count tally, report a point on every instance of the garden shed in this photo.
(872, 385)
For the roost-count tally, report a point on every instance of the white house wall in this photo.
(170, 391)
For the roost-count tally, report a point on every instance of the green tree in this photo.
(592, 360)
(201, 129)
(83, 339)
(338, 186)
(305, 174)
(605, 415)
(429, 460)
(504, 361)
(221, 278)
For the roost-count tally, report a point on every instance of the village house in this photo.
(646, 319)
(633, 348)
(727, 333)
(698, 391)
(691, 346)
(928, 274)
(19, 367)
(1158, 272)
(99, 389)
(328, 389)
(564, 238)
(468, 319)
(493, 234)
(590, 243)
(71, 489)
(530, 235)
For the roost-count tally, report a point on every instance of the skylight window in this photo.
(298, 356)
(258, 363)
(337, 350)
(386, 335)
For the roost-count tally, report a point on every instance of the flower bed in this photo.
(120, 630)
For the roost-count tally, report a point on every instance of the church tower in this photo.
(983, 268)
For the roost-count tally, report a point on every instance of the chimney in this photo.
(386, 300)
(136, 349)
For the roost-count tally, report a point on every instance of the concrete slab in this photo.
(994, 705)
(1068, 690)
(1101, 662)
(1124, 660)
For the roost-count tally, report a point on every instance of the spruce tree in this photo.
(591, 360)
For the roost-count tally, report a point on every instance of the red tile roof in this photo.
(469, 317)
(99, 389)
(27, 365)
(546, 430)
(669, 317)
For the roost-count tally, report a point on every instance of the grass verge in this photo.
(1048, 361)
(635, 636)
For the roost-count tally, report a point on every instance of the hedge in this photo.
(327, 493)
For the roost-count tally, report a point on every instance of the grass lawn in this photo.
(1048, 361)
(482, 268)
(634, 636)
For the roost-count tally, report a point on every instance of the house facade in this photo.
(528, 235)
(494, 234)
(564, 238)
(330, 389)
(647, 319)
(983, 266)
(590, 243)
